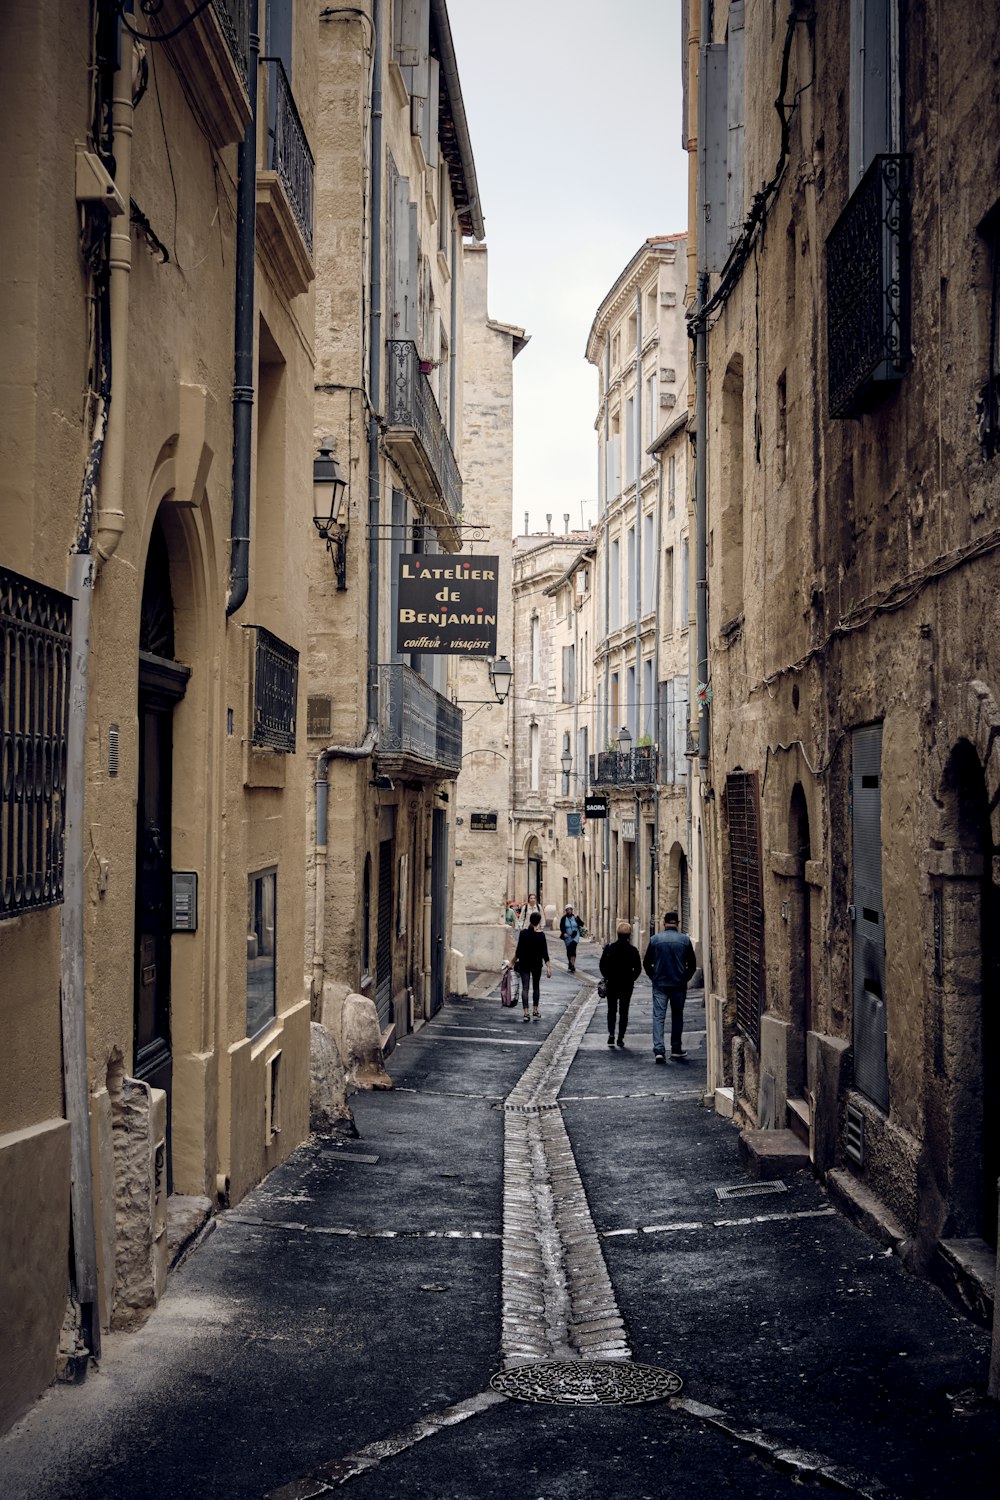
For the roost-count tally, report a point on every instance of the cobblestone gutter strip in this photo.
(558, 1302)
(324, 1481)
(798, 1461)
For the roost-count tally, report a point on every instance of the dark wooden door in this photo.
(161, 684)
(439, 904)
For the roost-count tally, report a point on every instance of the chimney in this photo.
(548, 522)
(566, 522)
(526, 523)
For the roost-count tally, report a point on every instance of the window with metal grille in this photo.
(743, 817)
(35, 625)
(275, 691)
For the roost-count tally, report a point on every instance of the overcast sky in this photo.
(575, 117)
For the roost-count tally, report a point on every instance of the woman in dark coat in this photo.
(621, 967)
(531, 953)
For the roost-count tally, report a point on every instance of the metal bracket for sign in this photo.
(398, 531)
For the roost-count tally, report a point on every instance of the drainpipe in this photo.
(243, 371)
(332, 752)
(73, 998)
(111, 513)
(606, 856)
(638, 594)
(701, 510)
(375, 368)
(453, 348)
(657, 584)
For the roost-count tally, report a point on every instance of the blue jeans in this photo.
(676, 997)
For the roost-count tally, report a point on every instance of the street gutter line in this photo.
(781, 1455)
(362, 1234)
(786, 1218)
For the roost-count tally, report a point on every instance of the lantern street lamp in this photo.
(330, 516)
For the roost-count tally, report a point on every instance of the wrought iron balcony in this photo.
(35, 624)
(209, 45)
(275, 691)
(867, 290)
(415, 722)
(234, 19)
(288, 153)
(635, 767)
(416, 435)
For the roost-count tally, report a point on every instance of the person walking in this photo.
(569, 931)
(620, 968)
(532, 952)
(669, 961)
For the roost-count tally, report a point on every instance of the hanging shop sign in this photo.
(483, 822)
(595, 807)
(447, 606)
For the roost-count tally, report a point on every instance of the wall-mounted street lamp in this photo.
(566, 761)
(624, 740)
(330, 517)
(501, 673)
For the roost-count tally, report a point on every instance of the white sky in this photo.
(574, 108)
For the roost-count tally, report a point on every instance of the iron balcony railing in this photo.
(636, 767)
(35, 625)
(275, 691)
(234, 19)
(415, 720)
(867, 290)
(288, 151)
(412, 405)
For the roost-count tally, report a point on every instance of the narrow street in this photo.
(526, 1195)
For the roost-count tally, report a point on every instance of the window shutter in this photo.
(747, 942)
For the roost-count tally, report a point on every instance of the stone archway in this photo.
(963, 1106)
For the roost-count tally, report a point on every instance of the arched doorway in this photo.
(800, 963)
(534, 866)
(966, 941)
(162, 683)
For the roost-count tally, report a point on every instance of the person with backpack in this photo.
(620, 968)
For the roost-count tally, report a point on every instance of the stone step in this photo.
(767, 1154)
(797, 1118)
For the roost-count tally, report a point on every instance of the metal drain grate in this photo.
(585, 1382)
(749, 1190)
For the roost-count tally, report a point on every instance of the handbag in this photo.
(602, 989)
(507, 995)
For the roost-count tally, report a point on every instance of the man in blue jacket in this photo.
(669, 961)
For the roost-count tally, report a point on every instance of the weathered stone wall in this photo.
(867, 569)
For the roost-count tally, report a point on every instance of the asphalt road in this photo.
(340, 1327)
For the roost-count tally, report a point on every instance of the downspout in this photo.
(657, 585)
(638, 595)
(111, 513)
(332, 752)
(375, 370)
(453, 347)
(243, 371)
(701, 513)
(606, 858)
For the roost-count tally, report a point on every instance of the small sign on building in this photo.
(628, 830)
(573, 828)
(595, 806)
(483, 822)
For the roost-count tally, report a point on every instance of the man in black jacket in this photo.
(531, 953)
(621, 967)
(669, 961)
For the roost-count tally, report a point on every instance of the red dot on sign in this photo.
(479, 610)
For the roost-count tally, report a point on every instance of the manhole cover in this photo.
(749, 1190)
(585, 1382)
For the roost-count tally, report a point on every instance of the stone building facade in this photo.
(541, 862)
(482, 793)
(851, 314)
(638, 345)
(157, 403)
(576, 851)
(396, 196)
